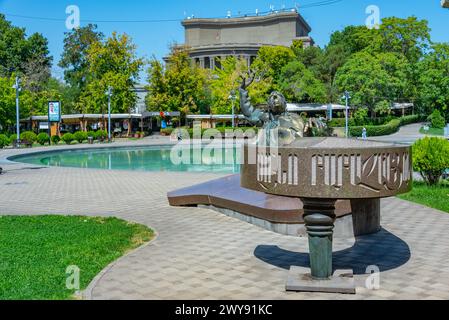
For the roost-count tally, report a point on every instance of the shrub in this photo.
(223, 131)
(340, 122)
(410, 119)
(167, 131)
(55, 139)
(382, 108)
(101, 135)
(80, 136)
(361, 116)
(43, 138)
(68, 138)
(375, 131)
(29, 136)
(431, 158)
(12, 138)
(437, 120)
(4, 141)
(92, 134)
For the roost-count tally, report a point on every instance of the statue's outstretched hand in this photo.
(247, 80)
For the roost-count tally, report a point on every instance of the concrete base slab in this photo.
(341, 282)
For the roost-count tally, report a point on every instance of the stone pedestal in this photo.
(319, 216)
(365, 216)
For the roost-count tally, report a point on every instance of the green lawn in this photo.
(434, 197)
(36, 251)
(432, 131)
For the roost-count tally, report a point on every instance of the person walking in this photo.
(364, 134)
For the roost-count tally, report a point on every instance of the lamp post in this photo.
(109, 94)
(18, 89)
(233, 97)
(347, 96)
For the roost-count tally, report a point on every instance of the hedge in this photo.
(340, 122)
(4, 141)
(386, 129)
(221, 130)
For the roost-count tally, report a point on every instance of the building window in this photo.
(251, 59)
(218, 62)
(207, 63)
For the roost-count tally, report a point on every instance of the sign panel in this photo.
(43, 126)
(54, 111)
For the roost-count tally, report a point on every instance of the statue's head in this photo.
(277, 103)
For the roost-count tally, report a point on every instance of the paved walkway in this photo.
(201, 254)
(406, 134)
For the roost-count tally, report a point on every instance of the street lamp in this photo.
(109, 94)
(18, 89)
(233, 98)
(347, 96)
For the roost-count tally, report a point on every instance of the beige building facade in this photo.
(212, 39)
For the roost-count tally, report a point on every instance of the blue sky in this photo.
(154, 38)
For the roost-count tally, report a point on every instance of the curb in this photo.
(86, 294)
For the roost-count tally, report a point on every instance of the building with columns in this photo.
(212, 39)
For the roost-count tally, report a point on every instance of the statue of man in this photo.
(279, 126)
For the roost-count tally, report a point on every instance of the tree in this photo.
(354, 39)
(300, 85)
(21, 55)
(433, 80)
(180, 86)
(157, 87)
(409, 37)
(74, 58)
(29, 58)
(270, 61)
(372, 78)
(7, 98)
(111, 63)
(12, 47)
(382, 108)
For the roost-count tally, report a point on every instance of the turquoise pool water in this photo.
(154, 158)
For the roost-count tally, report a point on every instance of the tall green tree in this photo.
(299, 84)
(7, 97)
(433, 81)
(270, 61)
(74, 61)
(114, 63)
(23, 55)
(179, 86)
(409, 37)
(372, 78)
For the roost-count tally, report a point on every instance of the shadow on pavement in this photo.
(382, 249)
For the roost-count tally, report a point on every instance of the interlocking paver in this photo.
(202, 254)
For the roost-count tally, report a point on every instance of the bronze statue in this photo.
(279, 126)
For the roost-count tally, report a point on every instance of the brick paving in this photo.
(202, 254)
